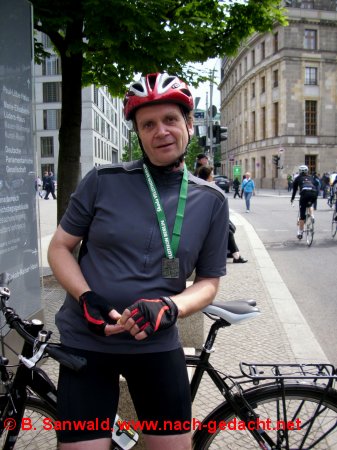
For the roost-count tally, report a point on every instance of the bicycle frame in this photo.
(202, 365)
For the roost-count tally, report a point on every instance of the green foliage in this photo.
(124, 37)
(136, 151)
(107, 42)
(193, 150)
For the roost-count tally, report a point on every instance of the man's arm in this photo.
(295, 186)
(63, 264)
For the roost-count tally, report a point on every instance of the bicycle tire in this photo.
(309, 230)
(301, 400)
(333, 226)
(34, 433)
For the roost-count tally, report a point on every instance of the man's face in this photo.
(163, 132)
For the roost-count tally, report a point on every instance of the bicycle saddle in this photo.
(233, 311)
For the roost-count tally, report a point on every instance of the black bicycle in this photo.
(28, 398)
(270, 406)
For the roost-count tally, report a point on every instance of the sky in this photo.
(205, 87)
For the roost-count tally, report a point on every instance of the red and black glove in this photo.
(96, 312)
(154, 315)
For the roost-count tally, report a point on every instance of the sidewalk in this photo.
(280, 334)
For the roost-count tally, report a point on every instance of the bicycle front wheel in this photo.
(35, 432)
(300, 417)
(309, 230)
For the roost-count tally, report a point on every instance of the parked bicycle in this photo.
(270, 406)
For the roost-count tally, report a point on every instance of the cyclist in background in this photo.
(308, 195)
(334, 190)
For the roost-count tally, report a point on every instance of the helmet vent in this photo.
(139, 87)
(152, 80)
(187, 92)
(168, 81)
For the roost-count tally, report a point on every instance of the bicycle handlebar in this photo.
(20, 326)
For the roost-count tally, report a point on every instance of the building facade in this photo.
(279, 97)
(104, 132)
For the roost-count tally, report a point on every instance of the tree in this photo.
(105, 42)
(135, 152)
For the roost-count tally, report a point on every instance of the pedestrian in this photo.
(317, 185)
(243, 178)
(202, 160)
(128, 287)
(248, 188)
(49, 185)
(52, 185)
(206, 173)
(236, 186)
(290, 182)
(38, 186)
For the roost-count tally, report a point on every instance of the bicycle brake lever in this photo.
(31, 362)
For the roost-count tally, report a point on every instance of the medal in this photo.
(170, 264)
(170, 268)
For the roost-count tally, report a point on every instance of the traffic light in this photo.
(220, 133)
(276, 160)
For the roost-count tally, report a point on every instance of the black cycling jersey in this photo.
(122, 250)
(303, 182)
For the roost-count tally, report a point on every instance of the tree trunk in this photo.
(69, 166)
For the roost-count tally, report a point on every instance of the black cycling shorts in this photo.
(158, 385)
(307, 199)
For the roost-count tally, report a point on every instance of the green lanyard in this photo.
(170, 247)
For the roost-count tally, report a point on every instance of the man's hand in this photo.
(147, 316)
(100, 314)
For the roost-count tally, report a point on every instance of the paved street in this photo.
(309, 274)
(280, 334)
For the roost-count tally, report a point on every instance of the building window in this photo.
(51, 119)
(263, 167)
(311, 162)
(275, 42)
(253, 58)
(253, 90)
(276, 119)
(46, 42)
(263, 85)
(96, 95)
(245, 98)
(47, 147)
(51, 92)
(311, 75)
(245, 64)
(51, 66)
(263, 50)
(310, 39)
(311, 118)
(307, 4)
(263, 122)
(253, 127)
(275, 78)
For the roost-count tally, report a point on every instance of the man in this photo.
(129, 286)
(308, 195)
(202, 160)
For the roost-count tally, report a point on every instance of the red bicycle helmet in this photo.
(157, 88)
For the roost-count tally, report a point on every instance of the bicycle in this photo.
(28, 398)
(276, 393)
(309, 225)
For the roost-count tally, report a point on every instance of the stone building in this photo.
(279, 97)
